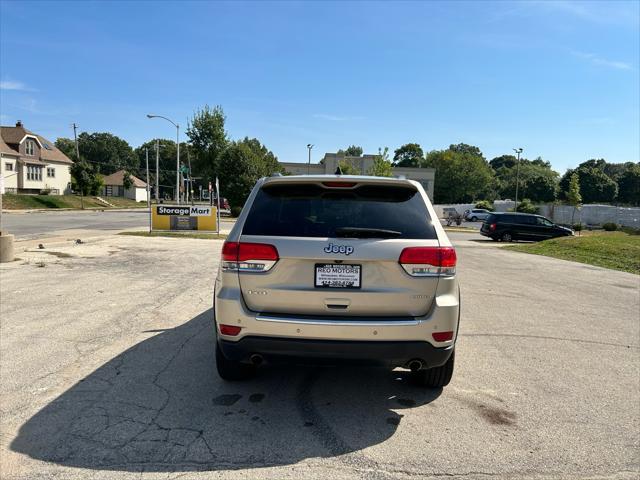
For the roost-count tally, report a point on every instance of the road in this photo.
(27, 226)
(108, 372)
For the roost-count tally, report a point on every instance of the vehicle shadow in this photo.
(159, 406)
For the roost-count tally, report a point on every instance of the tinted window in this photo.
(307, 210)
(491, 218)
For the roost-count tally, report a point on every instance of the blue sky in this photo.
(560, 79)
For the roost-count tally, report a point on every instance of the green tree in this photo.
(526, 206)
(85, 178)
(351, 151)
(106, 152)
(535, 179)
(167, 162)
(408, 155)
(381, 164)
(461, 175)
(346, 168)
(573, 195)
(127, 181)
(507, 161)
(466, 149)
(629, 185)
(208, 140)
(241, 165)
(66, 146)
(595, 185)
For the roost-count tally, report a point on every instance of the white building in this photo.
(361, 165)
(31, 164)
(114, 187)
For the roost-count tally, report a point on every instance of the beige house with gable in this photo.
(31, 164)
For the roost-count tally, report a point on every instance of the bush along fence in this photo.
(587, 215)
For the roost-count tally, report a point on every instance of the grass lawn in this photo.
(615, 250)
(11, 201)
(185, 234)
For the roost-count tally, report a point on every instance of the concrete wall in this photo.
(592, 214)
(587, 215)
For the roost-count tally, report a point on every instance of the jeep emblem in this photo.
(344, 249)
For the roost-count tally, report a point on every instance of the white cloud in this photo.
(335, 118)
(603, 62)
(13, 85)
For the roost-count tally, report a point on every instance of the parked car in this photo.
(451, 216)
(333, 268)
(521, 226)
(476, 214)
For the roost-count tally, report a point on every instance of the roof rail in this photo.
(276, 174)
(401, 177)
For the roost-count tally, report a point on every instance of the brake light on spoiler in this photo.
(429, 261)
(248, 257)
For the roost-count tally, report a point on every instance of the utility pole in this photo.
(309, 147)
(157, 170)
(148, 191)
(518, 151)
(75, 139)
(190, 177)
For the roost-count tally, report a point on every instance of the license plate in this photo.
(332, 275)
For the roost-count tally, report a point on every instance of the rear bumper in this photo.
(276, 350)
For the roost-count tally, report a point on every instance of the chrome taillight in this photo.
(248, 257)
(429, 261)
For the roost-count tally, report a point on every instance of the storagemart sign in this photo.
(184, 217)
(188, 211)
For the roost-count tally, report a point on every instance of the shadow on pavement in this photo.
(159, 406)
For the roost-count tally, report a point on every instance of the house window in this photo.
(30, 147)
(51, 172)
(34, 173)
(8, 167)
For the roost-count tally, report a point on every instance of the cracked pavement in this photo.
(108, 371)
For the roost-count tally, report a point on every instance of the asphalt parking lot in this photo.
(108, 372)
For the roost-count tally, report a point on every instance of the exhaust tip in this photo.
(415, 365)
(256, 359)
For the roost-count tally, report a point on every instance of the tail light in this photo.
(339, 184)
(248, 257)
(231, 330)
(429, 261)
(492, 227)
(442, 336)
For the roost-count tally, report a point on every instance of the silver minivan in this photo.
(337, 268)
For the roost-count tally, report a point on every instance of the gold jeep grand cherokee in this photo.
(333, 268)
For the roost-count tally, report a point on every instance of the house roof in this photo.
(11, 137)
(117, 178)
(4, 148)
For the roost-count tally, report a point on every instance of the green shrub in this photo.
(577, 227)
(235, 211)
(525, 206)
(610, 226)
(486, 204)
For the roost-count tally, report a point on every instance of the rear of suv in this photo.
(335, 268)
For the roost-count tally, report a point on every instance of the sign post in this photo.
(148, 192)
(218, 209)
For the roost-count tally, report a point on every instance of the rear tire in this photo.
(437, 377)
(231, 370)
(507, 237)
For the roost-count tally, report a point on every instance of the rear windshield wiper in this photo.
(356, 232)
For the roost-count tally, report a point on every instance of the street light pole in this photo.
(518, 151)
(177, 153)
(309, 147)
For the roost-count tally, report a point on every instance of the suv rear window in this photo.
(309, 210)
